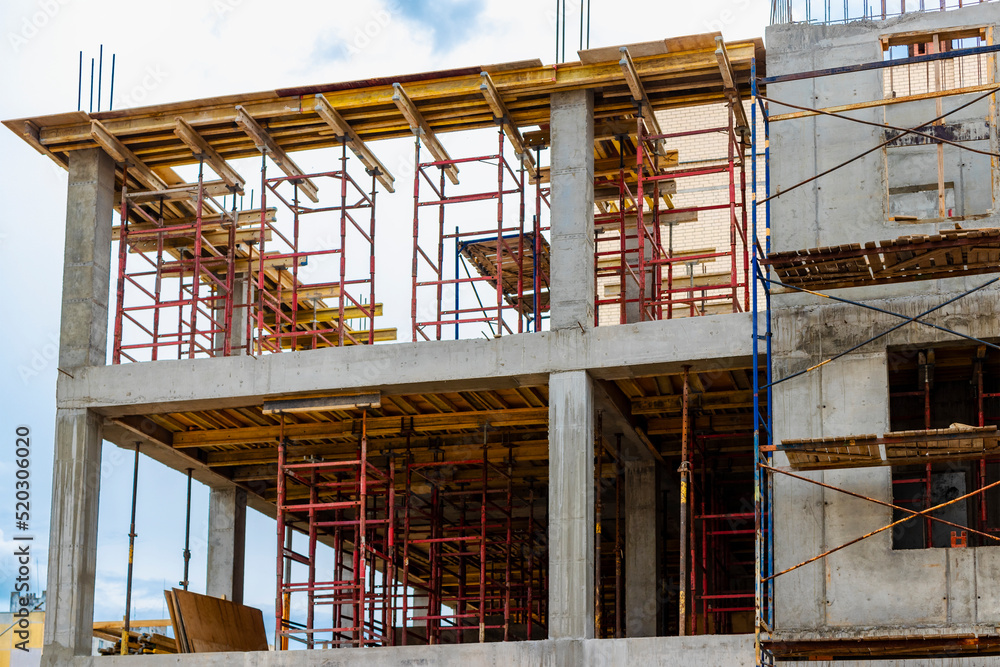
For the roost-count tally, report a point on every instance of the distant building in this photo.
(10, 654)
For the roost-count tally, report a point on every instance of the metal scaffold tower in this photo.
(493, 274)
(176, 284)
(643, 191)
(309, 294)
(425, 551)
(198, 277)
(352, 503)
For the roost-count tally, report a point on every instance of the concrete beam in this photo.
(227, 521)
(571, 506)
(618, 352)
(701, 650)
(572, 217)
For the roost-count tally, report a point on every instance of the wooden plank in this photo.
(177, 622)
(717, 400)
(200, 147)
(247, 219)
(304, 342)
(611, 53)
(266, 143)
(882, 102)
(186, 191)
(306, 315)
(420, 127)
(213, 625)
(354, 142)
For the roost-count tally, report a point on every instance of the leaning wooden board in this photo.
(205, 624)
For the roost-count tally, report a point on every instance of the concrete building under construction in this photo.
(702, 362)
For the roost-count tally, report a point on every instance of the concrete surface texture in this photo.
(868, 589)
(706, 651)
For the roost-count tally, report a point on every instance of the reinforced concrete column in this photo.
(227, 520)
(237, 333)
(633, 312)
(76, 467)
(641, 557)
(571, 505)
(572, 216)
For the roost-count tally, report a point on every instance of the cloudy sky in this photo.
(185, 49)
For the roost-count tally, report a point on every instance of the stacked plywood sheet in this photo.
(957, 442)
(950, 253)
(824, 453)
(205, 624)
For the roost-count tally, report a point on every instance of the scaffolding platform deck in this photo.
(482, 255)
(900, 448)
(950, 253)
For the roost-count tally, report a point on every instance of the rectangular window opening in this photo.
(937, 388)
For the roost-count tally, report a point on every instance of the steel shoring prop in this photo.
(904, 130)
(924, 513)
(907, 320)
(860, 304)
(878, 147)
(913, 513)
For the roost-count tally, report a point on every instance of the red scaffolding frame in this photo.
(663, 293)
(441, 552)
(351, 502)
(191, 257)
(220, 282)
(291, 314)
(510, 258)
(647, 261)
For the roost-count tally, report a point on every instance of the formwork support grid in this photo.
(290, 314)
(644, 261)
(504, 303)
(170, 250)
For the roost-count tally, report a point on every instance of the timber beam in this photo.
(266, 144)
(500, 112)
(731, 88)
(201, 148)
(638, 91)
(117, 150)
(333, 118)
(420, 127)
